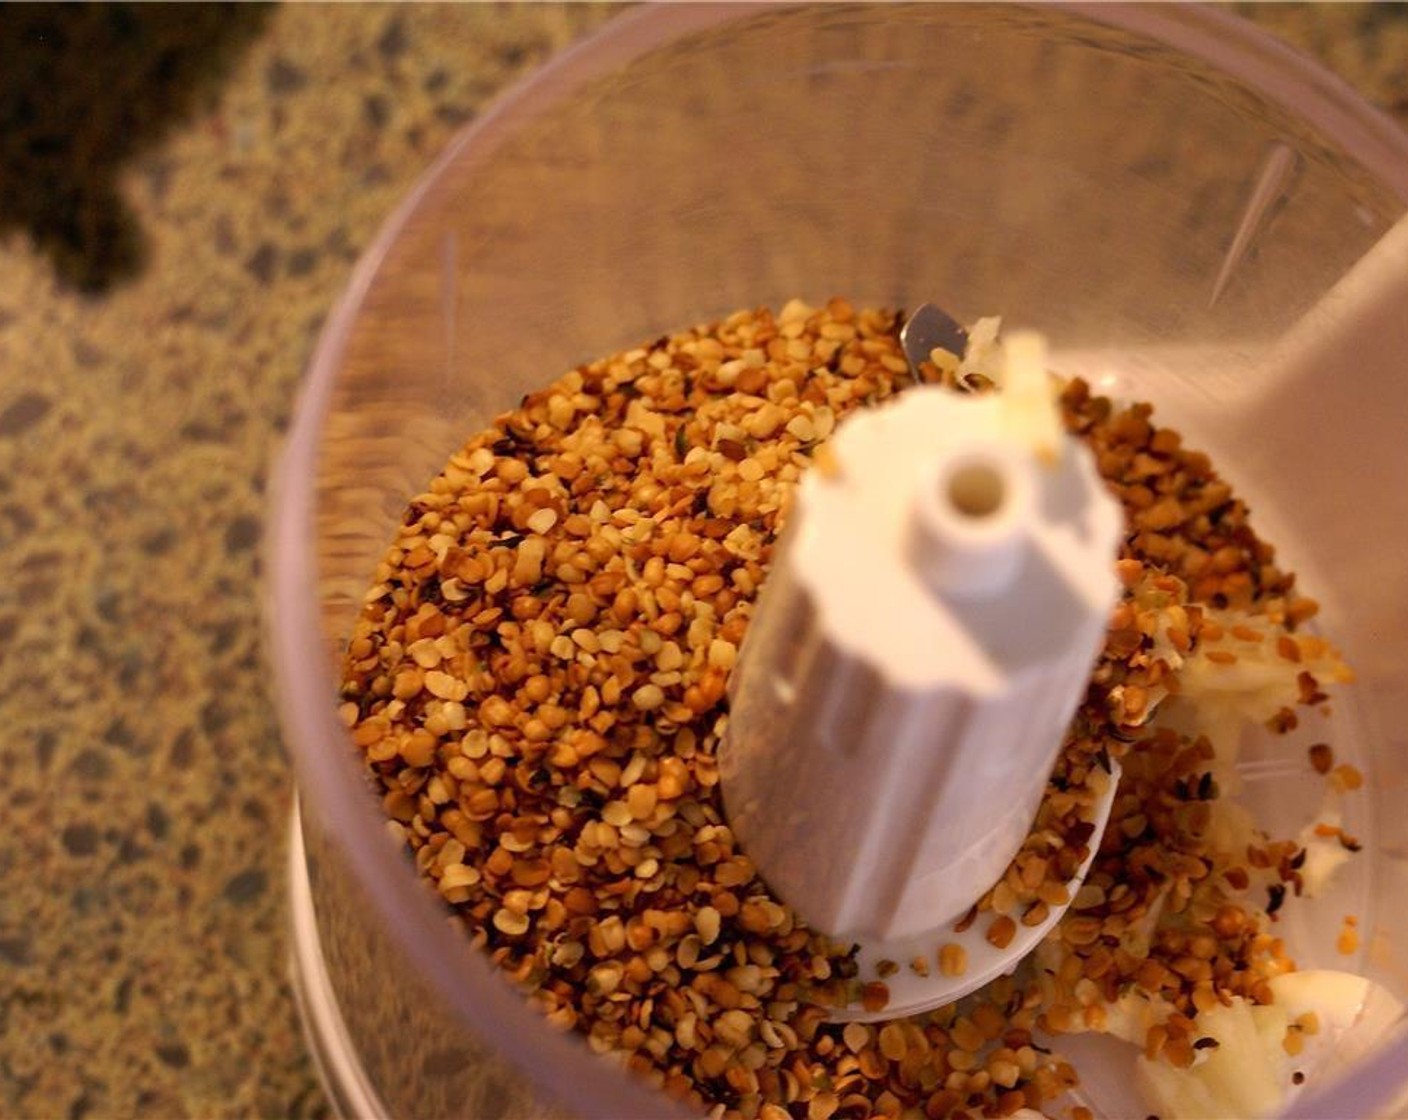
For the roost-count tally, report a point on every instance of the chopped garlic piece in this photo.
(983, 355)
(1133, 1013)
(1324, 854)
(1321, 1022)
(1244, 1075)
(1354, 1016)
(1229, 683)
(1255, 675)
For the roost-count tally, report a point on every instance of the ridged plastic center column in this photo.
(928, 628)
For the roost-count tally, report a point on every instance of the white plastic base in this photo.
(350, 1093)
(911, 992)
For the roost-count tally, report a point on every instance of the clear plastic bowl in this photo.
(1089, 171)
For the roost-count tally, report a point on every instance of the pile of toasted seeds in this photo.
(537, 682)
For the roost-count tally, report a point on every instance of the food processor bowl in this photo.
(1161, 190)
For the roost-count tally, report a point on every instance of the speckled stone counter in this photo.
(142, 920)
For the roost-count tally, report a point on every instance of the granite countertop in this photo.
(142, 921)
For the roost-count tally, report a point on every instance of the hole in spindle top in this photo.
(977, 490)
